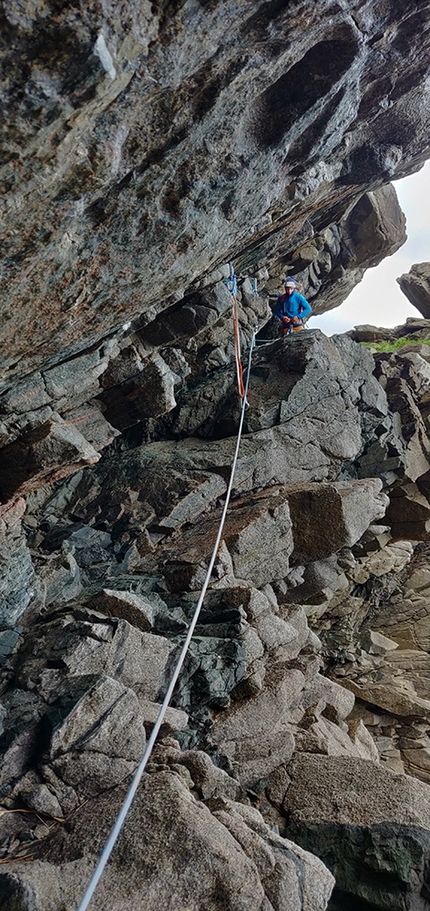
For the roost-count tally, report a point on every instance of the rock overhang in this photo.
(115, 205)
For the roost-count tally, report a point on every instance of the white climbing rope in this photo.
(110, 844)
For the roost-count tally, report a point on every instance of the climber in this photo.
(291, 308)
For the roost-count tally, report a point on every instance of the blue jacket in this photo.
(296, 305)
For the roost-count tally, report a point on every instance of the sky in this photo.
(378, 299)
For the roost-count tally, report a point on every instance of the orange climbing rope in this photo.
(237, 352)
(232, 287)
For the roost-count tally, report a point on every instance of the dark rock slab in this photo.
(327, 517)
(415, 284)
(254, 527)
(43, 455)
(368, 333)
(127, 605)
(148, 394)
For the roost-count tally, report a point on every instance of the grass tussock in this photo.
(395, 344)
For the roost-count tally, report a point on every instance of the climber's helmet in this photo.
(290, 283)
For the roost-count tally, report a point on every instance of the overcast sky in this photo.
(378, 299)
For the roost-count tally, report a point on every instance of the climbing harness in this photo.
(288, 331)
(113, 837)
(291, 328)
(232, 287)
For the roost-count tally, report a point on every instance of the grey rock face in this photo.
(384, 823)
(137, 532)
(216, 857)
(59, 579)
(17, 576)
(85, 724)
(415, 284)
(332, 262)
(100, 739)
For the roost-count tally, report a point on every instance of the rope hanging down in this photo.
(113, 837)
(232, 287)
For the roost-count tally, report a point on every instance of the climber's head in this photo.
(290, 285)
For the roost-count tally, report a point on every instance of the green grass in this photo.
(396, 343)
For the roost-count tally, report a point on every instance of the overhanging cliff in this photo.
(143, 146)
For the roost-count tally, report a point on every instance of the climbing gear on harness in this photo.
(291, 324)
(288, 328)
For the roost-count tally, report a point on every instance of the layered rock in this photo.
(113, 606)
(386, 667)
